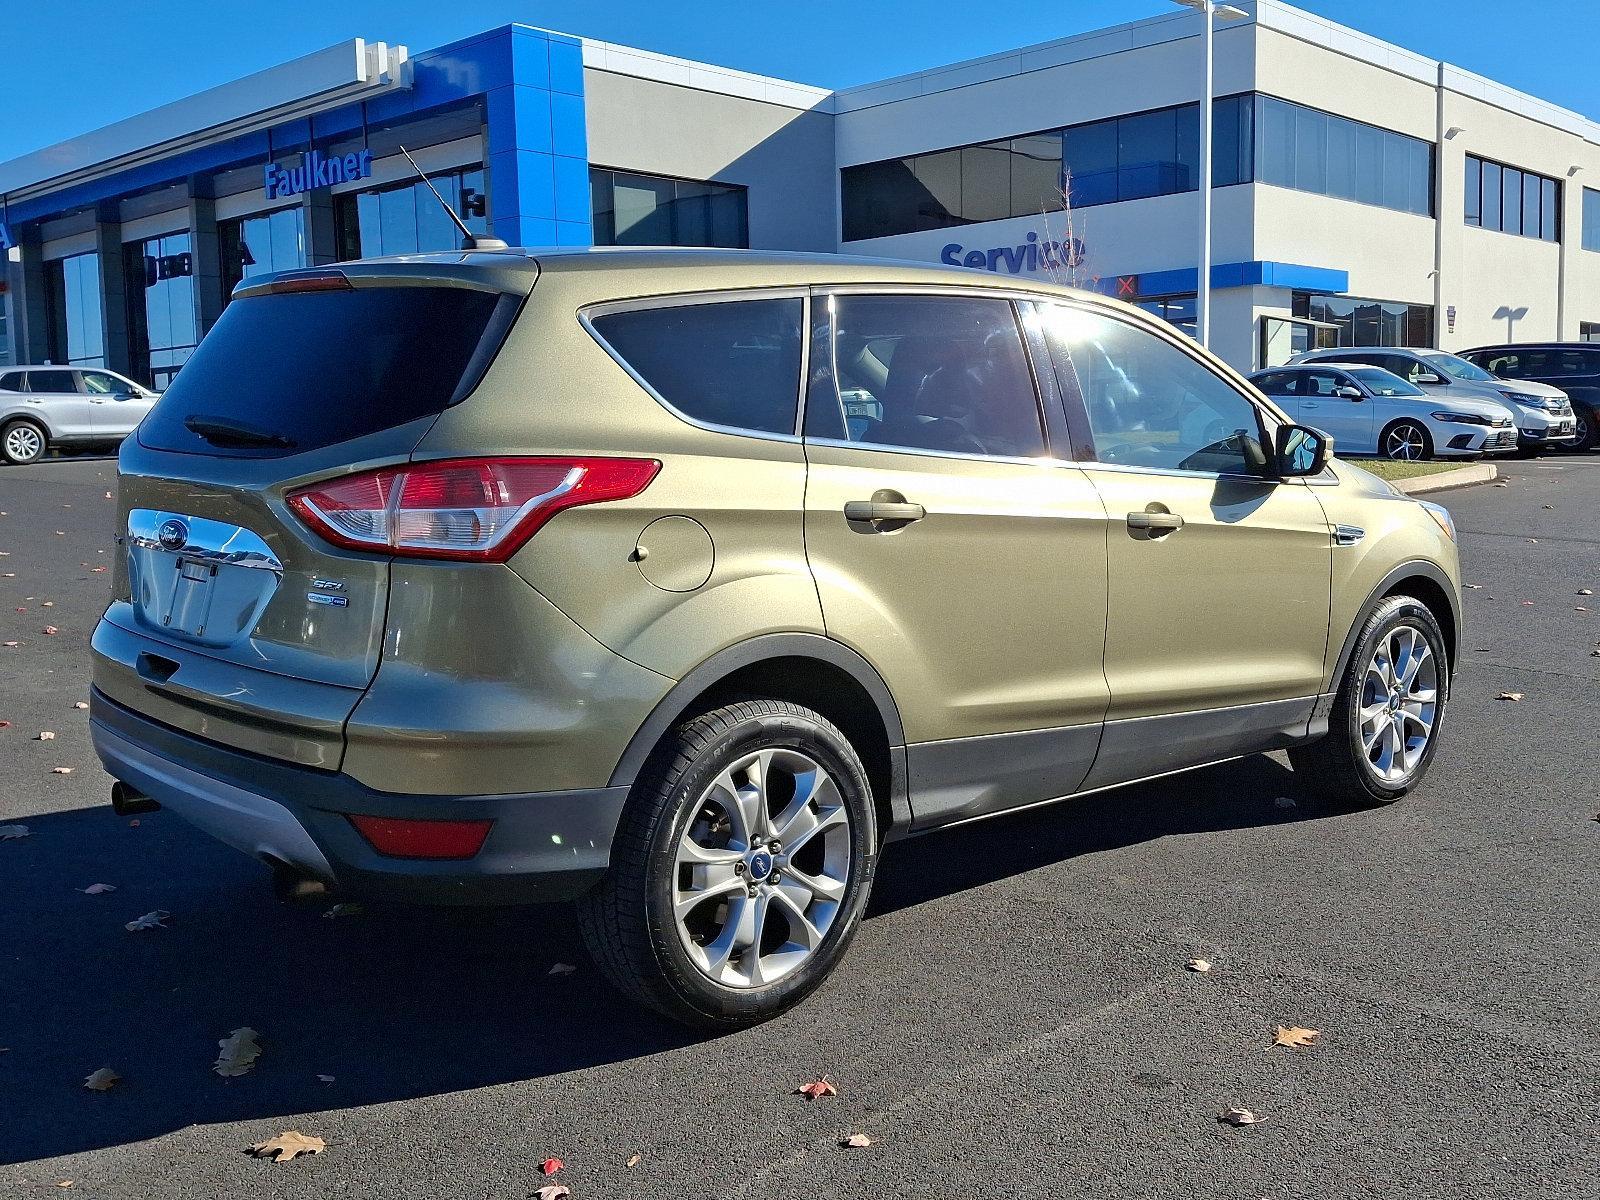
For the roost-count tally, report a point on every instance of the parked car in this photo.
(1574, 367)
(1372, 411)
(559, 575)
(71, 407)
(1543, 415)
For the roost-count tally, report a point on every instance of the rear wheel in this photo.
(1406, 441)
(740, 868)
(23, 441)
(1386, 715)
(1584, 427)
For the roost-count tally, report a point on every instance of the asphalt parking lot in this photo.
(1015, 1018)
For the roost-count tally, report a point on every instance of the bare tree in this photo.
(1061, 251)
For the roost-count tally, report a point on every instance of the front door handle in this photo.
(1158, 523)
(896, 511)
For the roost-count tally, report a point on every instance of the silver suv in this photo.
(82, 407)
(1543, 414)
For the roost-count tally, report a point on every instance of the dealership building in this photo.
(1363, 194)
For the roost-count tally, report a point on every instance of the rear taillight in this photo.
(478, 509)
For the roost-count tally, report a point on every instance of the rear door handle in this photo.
(1157, 522)
(883, 510)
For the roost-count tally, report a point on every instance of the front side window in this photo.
(1460, 368)
(1385, 383)
(732, 363)
(1324, 384)
(946, 374)
(1150, 404)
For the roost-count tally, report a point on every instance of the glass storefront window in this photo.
(77, 326)
(406, 219)
(1179, 311)
(652, 210)
(261, 244)
(163, 328)
(1359, 322)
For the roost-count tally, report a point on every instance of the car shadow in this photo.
(388, 1003)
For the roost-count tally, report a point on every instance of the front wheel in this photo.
(740, 869)
(1584, 429)
(1384, 726)
(1405, 441)
(22, 442)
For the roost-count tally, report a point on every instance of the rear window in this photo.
(734, 363)
(308, 369)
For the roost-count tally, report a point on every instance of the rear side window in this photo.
(940, 373)
(13, 381)
(308, 369)
(56, 382)
(732, 363)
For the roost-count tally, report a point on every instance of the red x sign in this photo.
(1127, 285)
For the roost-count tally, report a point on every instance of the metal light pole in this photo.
(1206, 9)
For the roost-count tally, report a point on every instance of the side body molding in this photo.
(763, 649)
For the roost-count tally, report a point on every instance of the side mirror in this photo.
(1427, 377)
(1301, 451)
(1349, 393)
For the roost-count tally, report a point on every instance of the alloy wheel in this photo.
(1405, 442)
(762, 868)
(23, 444)
(1399, 703)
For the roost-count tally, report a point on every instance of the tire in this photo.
(1339, 766)
(704, 970)
(23, 441)
(1588, 431)
(1405, 441)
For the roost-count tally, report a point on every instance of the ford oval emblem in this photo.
(173, 534)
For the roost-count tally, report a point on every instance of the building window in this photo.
(163, 328)
(1512, 200)
(406, 219)
(1313, 151)
(652, 210)
(5, 331)
(1589, 331)
(1591, 219)
(1359, 322)
(1121, 158)
(261, 244)
(1174, 310)
(77, 326)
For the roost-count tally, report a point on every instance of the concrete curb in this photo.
(1443, 481)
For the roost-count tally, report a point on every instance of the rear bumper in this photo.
(542, 845)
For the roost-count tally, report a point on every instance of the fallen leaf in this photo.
(856, 1141)
(48, 604)
(551, 1165)
(108, 495)
(102, 1080)
(1296, 1036)
(344, 910)
(81, 704)
(553, 1191)
(634, 1160)
(5, 724)
(1240, 1116)
(325, 1078)
(61, 770)
(151, 920)
(97, 570)
(1473, 587)
(45, 736)
(1547, 506)
(288, 1146)
(98, 889)
(63, 1183)
(1502, 485)
(1585, 591)
(817, 1088)
(238, 1053)
(1512, 696)
(50, 630)
(1285, 802)
(10, 645)
(1198, 965)
(562, 969)
(10, 833)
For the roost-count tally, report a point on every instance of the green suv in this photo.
(679, 583)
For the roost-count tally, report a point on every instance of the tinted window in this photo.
(323, 367)
(941, 373)
(1276, 383)
(1323, 383)
(735, 363)
(14, 381)
(1150, 404)
(52, 381)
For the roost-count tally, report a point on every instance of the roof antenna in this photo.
(469, 240)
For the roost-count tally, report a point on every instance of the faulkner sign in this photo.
(316, 170)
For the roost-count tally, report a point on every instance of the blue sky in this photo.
(73, 65)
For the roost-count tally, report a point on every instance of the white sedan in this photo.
(1371, 411)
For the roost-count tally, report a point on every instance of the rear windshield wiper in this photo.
(220, 431)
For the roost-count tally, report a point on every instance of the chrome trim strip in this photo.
(209, 541)
(885, 447)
